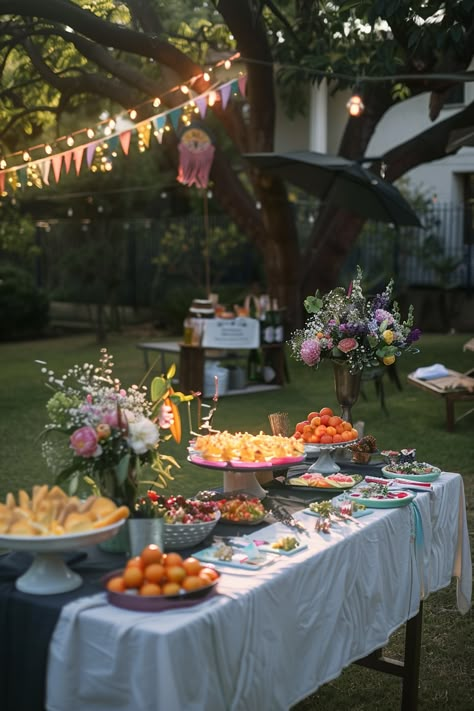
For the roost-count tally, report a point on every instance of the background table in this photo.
(272, 637)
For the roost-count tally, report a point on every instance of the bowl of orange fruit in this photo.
(155, 581)
(322, 427)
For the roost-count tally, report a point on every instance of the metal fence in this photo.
(133, 262)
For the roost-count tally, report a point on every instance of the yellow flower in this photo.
(389, 360)
(388, 337)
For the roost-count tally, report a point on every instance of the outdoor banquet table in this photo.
(270, 637)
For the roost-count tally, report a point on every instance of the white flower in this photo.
(143, 435)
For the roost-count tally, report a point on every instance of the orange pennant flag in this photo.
(78, 153)
(125, 141)
(57, 161)
(67, 161)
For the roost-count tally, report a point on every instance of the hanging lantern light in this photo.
(355, 105)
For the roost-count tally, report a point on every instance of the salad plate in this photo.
(411, 471)
(377, 496)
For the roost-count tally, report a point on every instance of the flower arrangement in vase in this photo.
(107, 435)
(354, 330)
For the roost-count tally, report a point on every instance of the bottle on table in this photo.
(188, 330)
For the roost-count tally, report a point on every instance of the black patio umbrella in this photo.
(340, 183)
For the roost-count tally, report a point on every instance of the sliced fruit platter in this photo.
(412, 471)
(242, 510)
(378, 496)
(318, 481)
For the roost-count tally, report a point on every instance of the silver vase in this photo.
(142, 532)
(347, 387)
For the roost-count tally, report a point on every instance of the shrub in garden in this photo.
(24, 309)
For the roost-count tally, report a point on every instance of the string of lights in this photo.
(106, 127)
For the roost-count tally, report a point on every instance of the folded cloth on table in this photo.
(430, 372)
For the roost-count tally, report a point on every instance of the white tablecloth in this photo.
(271, 637)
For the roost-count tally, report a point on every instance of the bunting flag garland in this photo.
(196, 153)
(195, 146)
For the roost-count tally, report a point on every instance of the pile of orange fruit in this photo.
(324, 427)
(156, 573)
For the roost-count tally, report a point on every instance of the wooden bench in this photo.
(454, 387)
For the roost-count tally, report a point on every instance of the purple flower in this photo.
(310, 352)
(413, 336)
(382, 315)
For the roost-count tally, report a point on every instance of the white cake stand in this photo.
(325, 463)
(48, 574)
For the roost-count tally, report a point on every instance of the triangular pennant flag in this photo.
(174, 117)
(145, 133)
(78, 153)
(125, 141)
(67, 161)
(90, 153)
(225, 94)
(57, 162)
(160, 122)
(234, 87)
(45, 166)
(13, 180)
(113, 143)
(201, 103)
(242, 82)
(2, 183)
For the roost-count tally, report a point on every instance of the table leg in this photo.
(409, 669)
(449, 414)
(411, 679)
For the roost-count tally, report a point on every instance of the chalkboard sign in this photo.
(231, 333)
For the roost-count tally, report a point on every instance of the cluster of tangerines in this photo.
(156, 573)
(324, 427)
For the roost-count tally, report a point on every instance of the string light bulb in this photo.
(212, 98)
(184, 89)
(156, 102)
(206, 76)
(26, 156)
(3, 164)
(90, 133)
(355, 105)
(70, 141)
(133, 114)
(48, 149)
(227, 64)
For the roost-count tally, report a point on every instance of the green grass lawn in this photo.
(415, 419)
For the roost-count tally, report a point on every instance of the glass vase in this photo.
(143, 531)
(347, 386)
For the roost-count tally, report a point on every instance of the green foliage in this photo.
(17, 234)
(24, 309)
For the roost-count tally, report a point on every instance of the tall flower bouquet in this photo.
(107, 435)
(353, 329)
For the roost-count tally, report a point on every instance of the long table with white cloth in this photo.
(272, 637)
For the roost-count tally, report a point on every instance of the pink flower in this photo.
(84, 442)
(310, 352)
(116, 419)
(347, 345)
